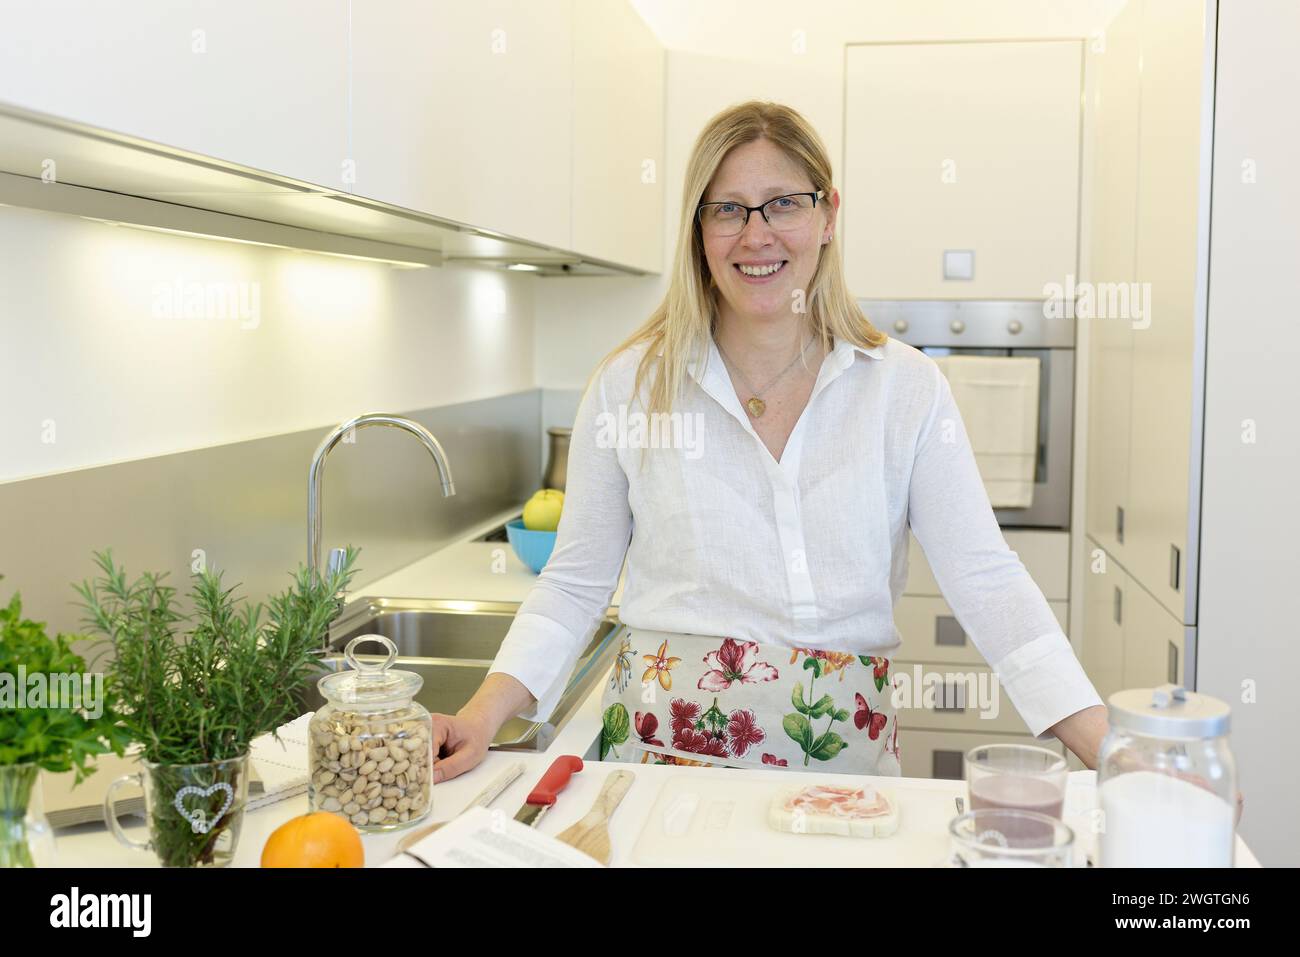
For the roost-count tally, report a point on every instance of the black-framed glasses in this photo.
(781, 213)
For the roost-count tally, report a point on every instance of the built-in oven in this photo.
(1004, 328)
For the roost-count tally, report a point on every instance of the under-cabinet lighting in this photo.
(402, 263)
(524, 267)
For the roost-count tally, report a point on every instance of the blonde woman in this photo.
(757, 452)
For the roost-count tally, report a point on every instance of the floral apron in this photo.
(674, 698)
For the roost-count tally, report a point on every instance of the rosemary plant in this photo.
(196, 689)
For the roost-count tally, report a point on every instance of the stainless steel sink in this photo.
(451, 644)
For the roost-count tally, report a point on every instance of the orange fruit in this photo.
(318, 839)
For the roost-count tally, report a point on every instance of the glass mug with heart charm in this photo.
(194, 811)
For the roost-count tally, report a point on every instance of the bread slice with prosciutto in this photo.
(863, 811)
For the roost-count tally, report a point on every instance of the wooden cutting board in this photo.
(700, 821)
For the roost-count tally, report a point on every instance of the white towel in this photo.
(998, 400)
(281, 764)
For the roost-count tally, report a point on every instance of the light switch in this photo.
(959, 264)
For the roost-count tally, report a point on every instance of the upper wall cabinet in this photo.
(263, 85)
(539, 121)
(618, 135)
(962, 148)
(465, 109)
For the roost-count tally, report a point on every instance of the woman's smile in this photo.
(761, 272)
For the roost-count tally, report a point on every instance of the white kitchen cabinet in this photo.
(961, 146)
(934, 638)
(1044, 553)
(464, 110)
(1147, 214)
(1104, 586)
(539, 120)
(966, 697)
(942, 754)
(262, 85)
(932, 633)
(1153, 641)
(1156, 527)
(1114, 115)
(618, 136)
(1130, 639)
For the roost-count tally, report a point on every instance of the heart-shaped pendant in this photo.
(756, 406)
(199, 822)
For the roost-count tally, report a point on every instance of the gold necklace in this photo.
(755, 403)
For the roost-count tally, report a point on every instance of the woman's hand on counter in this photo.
(461, 741)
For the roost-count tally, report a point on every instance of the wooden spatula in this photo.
(591, 834)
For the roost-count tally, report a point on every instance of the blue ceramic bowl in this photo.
(533, 548)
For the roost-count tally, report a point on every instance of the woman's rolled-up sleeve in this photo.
(983, 580)
(572, 593)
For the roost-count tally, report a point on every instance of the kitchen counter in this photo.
(92, 846)
(465, 571)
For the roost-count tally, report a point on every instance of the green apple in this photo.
(542, 513)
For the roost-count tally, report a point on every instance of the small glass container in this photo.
(1017, 777)
(1006, 837)
(1166, 781)
(370, 751)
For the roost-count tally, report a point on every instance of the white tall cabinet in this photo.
(1132, 640)
(1149, 204)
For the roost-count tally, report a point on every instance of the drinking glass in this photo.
(194, 811)
(998, 837)
(1016, 777)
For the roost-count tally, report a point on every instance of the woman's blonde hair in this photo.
(684, 321)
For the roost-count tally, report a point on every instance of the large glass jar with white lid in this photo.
(370, 752)
(1166, 781)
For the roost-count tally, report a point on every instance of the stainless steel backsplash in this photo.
(243, 506)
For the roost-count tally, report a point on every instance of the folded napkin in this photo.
(998, 400)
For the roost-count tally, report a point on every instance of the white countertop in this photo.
(465, 571)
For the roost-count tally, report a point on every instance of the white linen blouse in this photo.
(810, 551)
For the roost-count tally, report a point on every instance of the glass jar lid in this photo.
(1169, 711)
(370, 685)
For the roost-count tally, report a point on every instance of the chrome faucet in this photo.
(316, 475)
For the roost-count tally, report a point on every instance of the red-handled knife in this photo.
(552, 783)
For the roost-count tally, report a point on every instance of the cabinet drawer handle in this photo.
(1175, 566)
(1173, 664)
(952, 700)
(1119, 524)
(948, 765)
(1119, 606)
(948, 631)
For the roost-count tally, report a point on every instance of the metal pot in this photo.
(557, 459)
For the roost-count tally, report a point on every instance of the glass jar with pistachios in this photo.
(370, 750)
